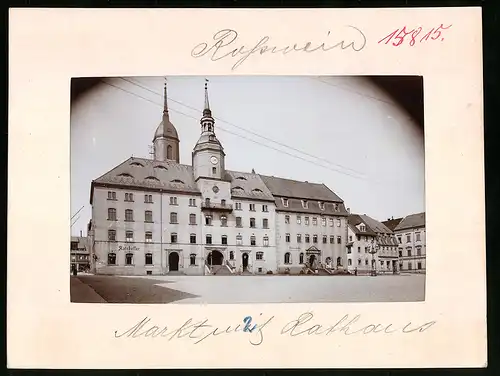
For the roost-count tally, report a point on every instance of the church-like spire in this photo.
(207, 121)
(165, 103)
(206, 109)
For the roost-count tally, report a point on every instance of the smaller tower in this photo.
(166, 139)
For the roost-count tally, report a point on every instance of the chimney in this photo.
(349, 210)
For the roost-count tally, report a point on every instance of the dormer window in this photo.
(336, 207)
(125, 175)
(257, 190)
(305, 204)
(241, 178)
(160, 167)
(362, 228)
(285, 202)
(177, 181)
(321, 205)
(153, 179)
(137, 164)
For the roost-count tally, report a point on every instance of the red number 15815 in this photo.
(400, 36)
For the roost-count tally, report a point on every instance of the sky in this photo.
(344, 132)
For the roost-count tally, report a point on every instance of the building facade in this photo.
(80, 253)
(410, 233)
(372, 247)
(158, 216)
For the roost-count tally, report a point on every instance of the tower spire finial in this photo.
(165, 103)
(206, 109)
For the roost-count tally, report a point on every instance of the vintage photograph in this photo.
(247, 189)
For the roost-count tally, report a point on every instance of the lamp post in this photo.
(373, 250)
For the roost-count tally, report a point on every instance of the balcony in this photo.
(213, 206)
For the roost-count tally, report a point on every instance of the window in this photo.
(339, 239)
(148, 198)
(223, 202)
(306, 221)
(299, 238)
(325, 239)
(237, 205)
(285, 202)
(129, 197)
(367, 249)
(359, 249)
(336, 207)
(315, 238)
(111, 195)
(315, 221)
(399, 239)
(323, 221)
(338, 223)
(252, 222)
(266, 241)
(207, 202)
(208, 220)
(111, 236)
(252, 207)
(265, 223)
(381, 263)
(192, 202)
(287, 238)
(223, 220)
(332, 239)
(252, 240)
(129, 258)
(192, 219)
(148, 237)
(264, 208)
(231, 255)
(208, 239)
(321, 205)
(111, 258)
(359, 261)
(330, 222)
(288, 258)
(301, 258)
(148, 259)
(366, 262)
(239, 239)
(173, 200)
(419, 252)
(417, 236)
(238, 221)
(148, 216)
(408, 238)
(192, 259)
(305, 204)
(173, 237)
(419, 266)
(173, 217)
(349, 262)
(129, 215)
(259, 256)
(111, 214)
(409, 253)
(192, 238)
(307, 238)
(362, 228)
(214, 170)
(400, 253)
(299, 220)
(224, 239)
(287, 219)
(388, 263)
(410, 266)
(129, 236)
(350, 238)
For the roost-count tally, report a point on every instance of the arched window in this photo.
(339, 261)
(149, 259)
(169, 152)
(231, 255)
(111, 258)
(301, 258)
(129, 258)
(288, 258)
(192, 259)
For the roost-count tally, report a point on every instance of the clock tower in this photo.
(208, 153)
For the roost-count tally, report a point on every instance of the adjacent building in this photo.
(410, 233)
(80, 253)
(371, 246)
(158, 216)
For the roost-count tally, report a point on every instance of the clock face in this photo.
(214, 160)
(215, 189)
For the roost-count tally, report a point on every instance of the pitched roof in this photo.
(412, 221)
(375, 225)
(355, 220)
(248, 185)
(282, 187)
(392, 223)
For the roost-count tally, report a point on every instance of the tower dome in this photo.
(166, 138)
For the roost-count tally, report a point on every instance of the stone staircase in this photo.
(220, 270)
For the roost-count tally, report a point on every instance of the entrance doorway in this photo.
(244, 260)
(215, 258)
(394, 267)
(173, 261)
(312, 260)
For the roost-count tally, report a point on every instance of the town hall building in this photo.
(157, 216)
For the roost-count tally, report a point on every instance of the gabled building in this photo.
(158, 216)
(371, 246)
(411, 235)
